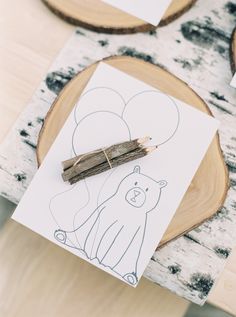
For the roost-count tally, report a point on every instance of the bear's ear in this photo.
(162, 183)
(136, 169)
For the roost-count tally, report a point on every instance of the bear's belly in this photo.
(112, 232)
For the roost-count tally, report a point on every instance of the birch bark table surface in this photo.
(208, 189)
(99, 16)
(195, 47)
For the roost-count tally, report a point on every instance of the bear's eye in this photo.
(146, 189)
(136, 183)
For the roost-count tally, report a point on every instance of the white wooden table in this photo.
(26, 53)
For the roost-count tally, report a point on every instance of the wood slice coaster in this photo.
(99, 16)
(233, 51)
(207, 191)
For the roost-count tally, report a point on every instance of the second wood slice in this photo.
(99, 16)
(233, 51)
(208, 189)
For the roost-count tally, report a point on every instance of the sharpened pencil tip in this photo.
(144, 140)
(151, 148)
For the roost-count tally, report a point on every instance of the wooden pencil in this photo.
(89, 160)
(117, 161)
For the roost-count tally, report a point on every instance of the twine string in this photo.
(94, 152)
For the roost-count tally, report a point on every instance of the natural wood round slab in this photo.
(99, 16)
(208, 189)
(233, 51)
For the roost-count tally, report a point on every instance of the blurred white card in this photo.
(116, 219)
(150, 11)
(233, 81)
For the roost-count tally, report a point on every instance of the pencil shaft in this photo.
(88, 161)
(113, 151)
(122, 159)
(69, 163)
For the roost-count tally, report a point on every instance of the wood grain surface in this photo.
(40, 279)
(99, 16)
(208, 189)
(21, 47)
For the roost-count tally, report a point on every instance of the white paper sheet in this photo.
(116, 219)
(233, 81)
(150, 11)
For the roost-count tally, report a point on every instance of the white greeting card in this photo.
(116, 219)
(150, 11)
(233, 81)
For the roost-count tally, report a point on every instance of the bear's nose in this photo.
(136, 193)
(135, 197)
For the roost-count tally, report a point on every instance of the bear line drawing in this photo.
(115, 230)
